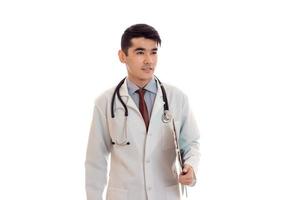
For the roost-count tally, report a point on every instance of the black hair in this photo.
(136, 31)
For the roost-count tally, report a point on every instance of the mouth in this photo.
(147, 70)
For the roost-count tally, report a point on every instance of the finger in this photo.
(186, 177)
(185, 181)
(188, 172)
(186, 168)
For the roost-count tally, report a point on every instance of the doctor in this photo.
(134, 133)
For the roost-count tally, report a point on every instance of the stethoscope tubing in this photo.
(166, 118)
(117, 92)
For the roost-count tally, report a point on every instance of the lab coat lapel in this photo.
(126, 98)
(158, 103)
(155, 122)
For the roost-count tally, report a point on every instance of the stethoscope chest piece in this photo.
(166, 117)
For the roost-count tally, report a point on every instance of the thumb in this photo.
(186, 168)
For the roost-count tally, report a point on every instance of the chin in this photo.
(146, 77)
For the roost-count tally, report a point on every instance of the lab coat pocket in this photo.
(168, 136)
(173, 192)
(116, 194)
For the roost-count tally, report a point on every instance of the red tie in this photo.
(143, 107)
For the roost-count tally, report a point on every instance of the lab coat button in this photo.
(147, 161)
(149, 188)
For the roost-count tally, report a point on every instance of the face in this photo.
(141, 60)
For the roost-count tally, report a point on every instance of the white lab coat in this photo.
(143, 170)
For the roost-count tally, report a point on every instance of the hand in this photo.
(187, 175)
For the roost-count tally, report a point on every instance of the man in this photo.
(135, 133)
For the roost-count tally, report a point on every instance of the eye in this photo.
(154, 52)
(139, 52)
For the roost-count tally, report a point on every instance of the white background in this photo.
(238, 61)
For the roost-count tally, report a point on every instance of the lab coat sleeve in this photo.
(98, 149)
(189, 138)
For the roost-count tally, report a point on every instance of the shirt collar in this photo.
(150, 87)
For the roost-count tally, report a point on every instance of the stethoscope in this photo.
(166, 117)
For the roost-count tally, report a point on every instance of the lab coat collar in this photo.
(125, 97)
(158, 103)
(150, 87)
(124, 89)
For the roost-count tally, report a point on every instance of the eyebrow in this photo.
(143, 49)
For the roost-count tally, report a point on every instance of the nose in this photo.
(148, 59)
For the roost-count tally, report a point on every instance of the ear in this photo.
(122, 56)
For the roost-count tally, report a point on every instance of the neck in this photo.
(141, 83)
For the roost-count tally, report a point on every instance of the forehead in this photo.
(143, 43)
